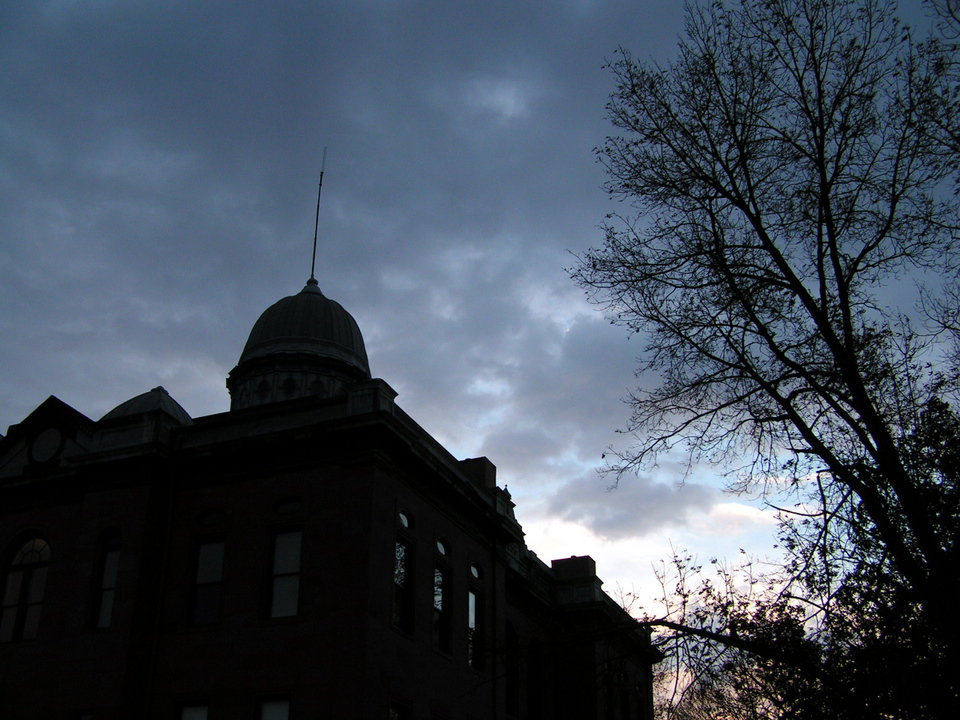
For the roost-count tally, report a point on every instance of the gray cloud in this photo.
(637, 506)
(158, 169)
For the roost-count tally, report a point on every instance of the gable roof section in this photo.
(53, 431)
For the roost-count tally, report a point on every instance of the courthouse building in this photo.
(311, 553)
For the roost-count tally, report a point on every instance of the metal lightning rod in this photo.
(316, 223)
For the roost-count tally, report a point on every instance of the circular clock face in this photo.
(46, 445)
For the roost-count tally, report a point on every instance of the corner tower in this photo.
(304, 345)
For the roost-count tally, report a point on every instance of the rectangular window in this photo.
(22, 601)
(285, 592)
(474, 630)
(275, 710)
(193, 712)
(441, 609)
(512, 680)
(109, 573)
(11, 604)
(38, 583)
(209, 582)
(402, 586)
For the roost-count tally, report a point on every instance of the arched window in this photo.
(403, 586)
(475, 619)
(442, 628)
(23, 589)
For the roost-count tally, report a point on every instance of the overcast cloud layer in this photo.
(158, 176)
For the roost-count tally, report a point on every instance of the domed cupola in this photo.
(303, 345)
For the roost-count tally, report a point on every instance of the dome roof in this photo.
(156, 400)
(308, 323)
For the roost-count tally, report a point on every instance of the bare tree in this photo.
(949, 13)
(787, 174)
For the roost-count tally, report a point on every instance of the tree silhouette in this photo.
(789, 176)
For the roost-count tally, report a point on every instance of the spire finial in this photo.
(316, 223)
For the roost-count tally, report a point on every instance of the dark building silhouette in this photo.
(312, 553)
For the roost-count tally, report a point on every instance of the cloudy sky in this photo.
(158, 177)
